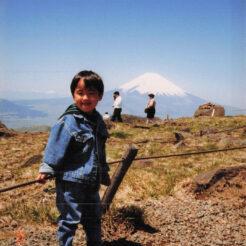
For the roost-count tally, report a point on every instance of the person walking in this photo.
(117, 107)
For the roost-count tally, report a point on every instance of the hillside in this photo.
(156, 204)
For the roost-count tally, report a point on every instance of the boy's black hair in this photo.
(91, 79)
(151, 95)
(117, 93)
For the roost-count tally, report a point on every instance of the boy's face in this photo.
(86, 99)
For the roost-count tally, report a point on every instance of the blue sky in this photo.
(199, 45)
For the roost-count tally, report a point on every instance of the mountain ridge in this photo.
(171, 101)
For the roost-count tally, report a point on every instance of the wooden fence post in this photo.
(118, 175)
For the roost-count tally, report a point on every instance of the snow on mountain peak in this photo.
(153, 83)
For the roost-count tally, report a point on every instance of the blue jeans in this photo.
(78, 203)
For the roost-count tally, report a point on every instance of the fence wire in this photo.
(182, 154)
(136, 159)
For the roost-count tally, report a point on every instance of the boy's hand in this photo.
(42, 177)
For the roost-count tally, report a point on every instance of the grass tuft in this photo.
(120, 135)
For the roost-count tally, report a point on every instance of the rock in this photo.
(179, 136)
(209, 109)
(208, 178)
(180, 145)
(4, 131)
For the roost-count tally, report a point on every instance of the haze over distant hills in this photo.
(45, 112)
(170, 99)
(14, 109)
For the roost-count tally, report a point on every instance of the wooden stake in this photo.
(118, 176)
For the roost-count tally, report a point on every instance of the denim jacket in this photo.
(76, 149)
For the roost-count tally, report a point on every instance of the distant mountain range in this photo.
(170, 100)
(14, 109)
(26, 113)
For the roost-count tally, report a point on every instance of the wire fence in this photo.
(182, 154)
(144, 158)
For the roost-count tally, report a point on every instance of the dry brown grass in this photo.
(36, 203)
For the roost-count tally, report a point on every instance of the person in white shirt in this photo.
(117, 107)
(106, 116)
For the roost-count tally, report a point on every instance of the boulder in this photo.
(4, 131)
(208, 178)
(209, 109)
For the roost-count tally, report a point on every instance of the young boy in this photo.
(75, 154)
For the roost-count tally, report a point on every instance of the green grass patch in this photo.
(121, 135)
(210, 146)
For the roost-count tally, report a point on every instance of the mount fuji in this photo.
(152, 83)
(170, 99)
